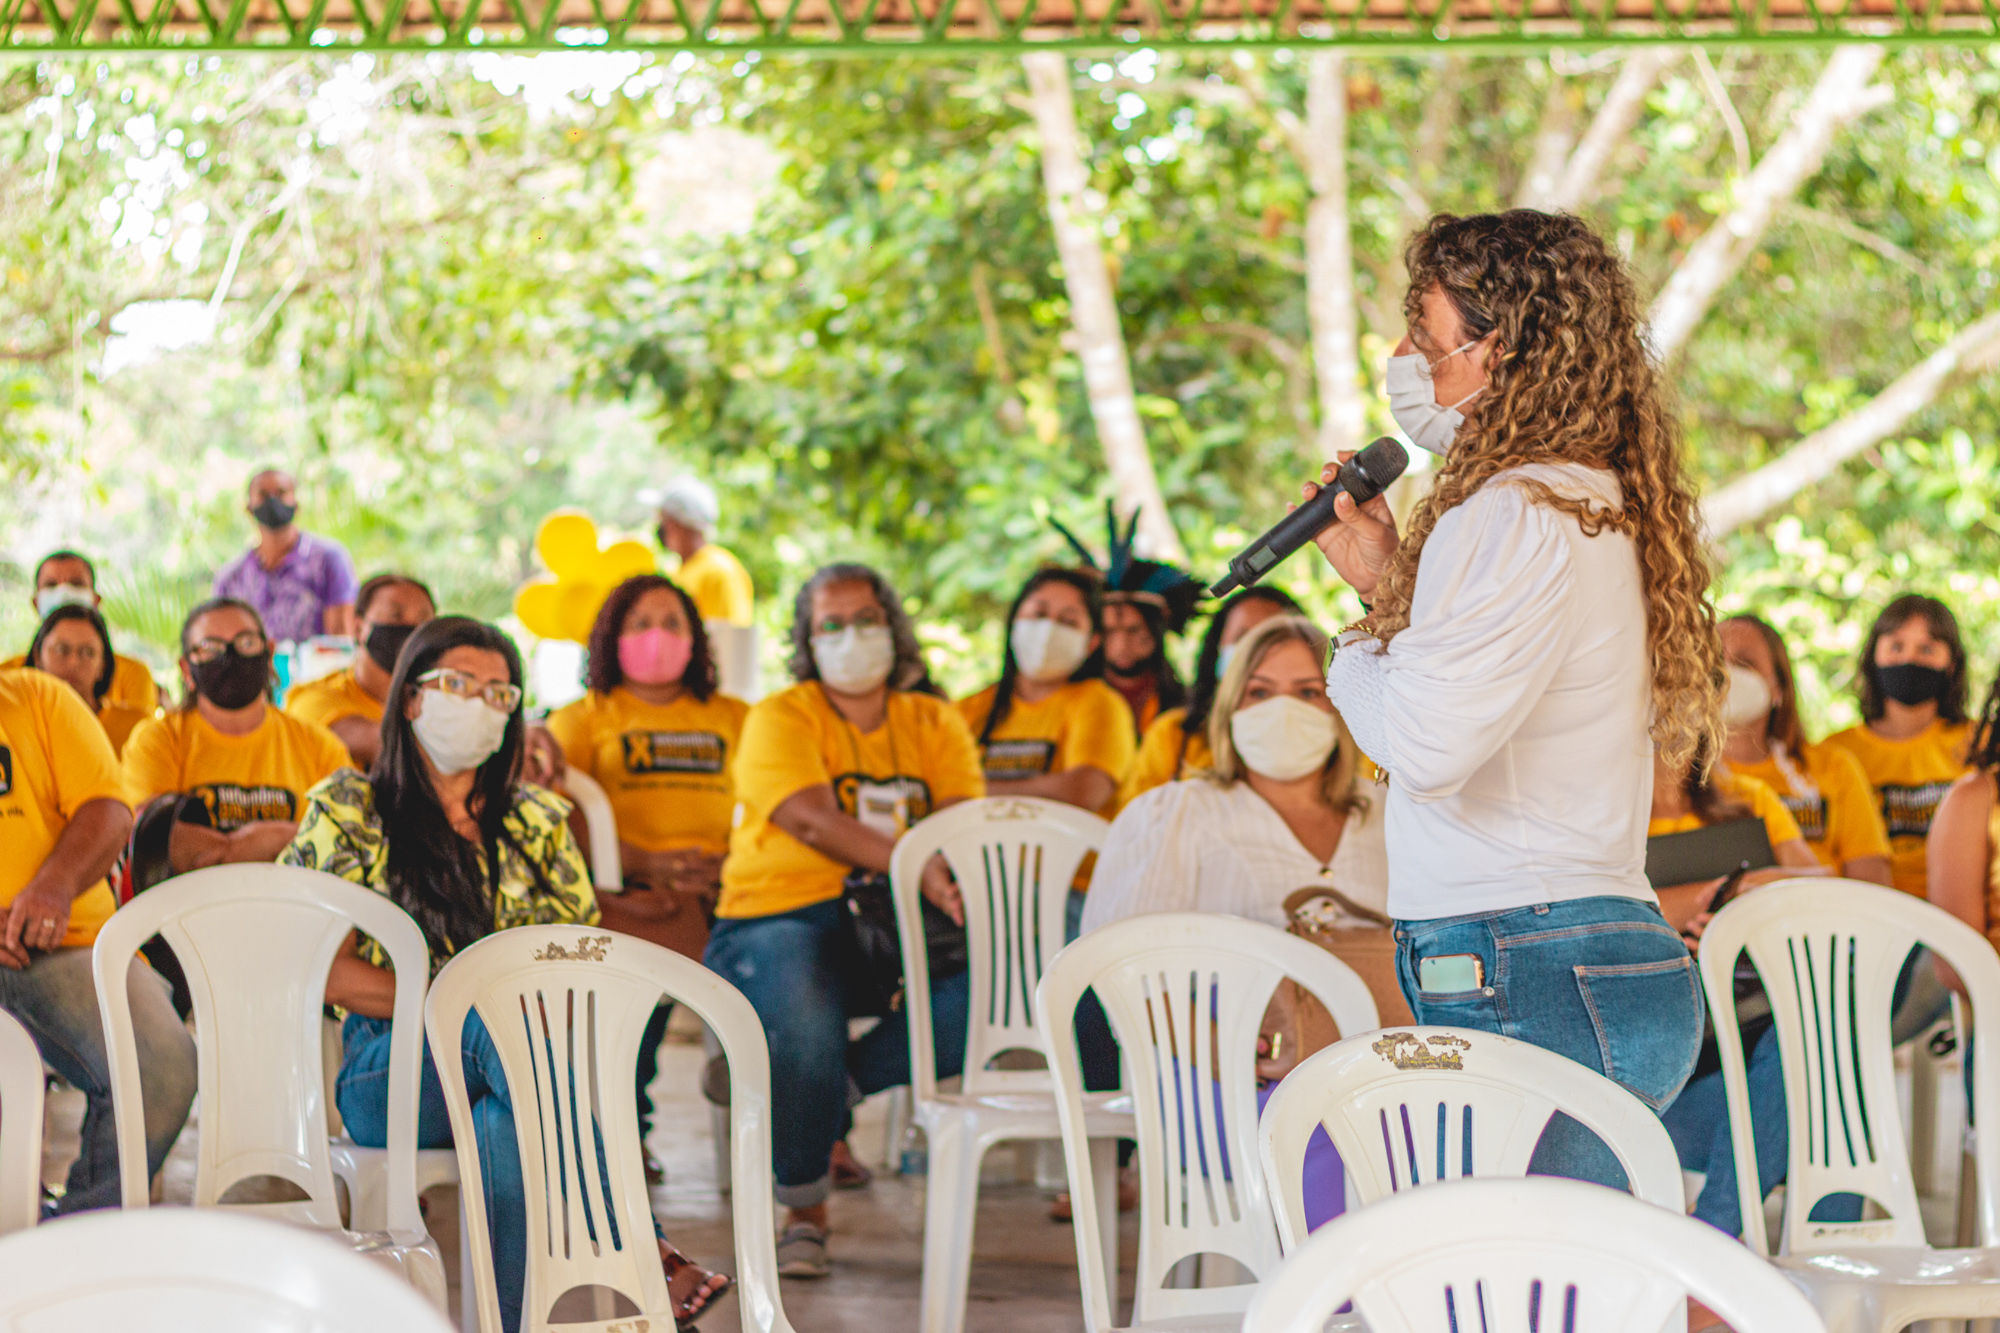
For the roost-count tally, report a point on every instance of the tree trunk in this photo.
(1330, 258)
(1841, 96)
(1750, 497)
(1100, 342)
(1609, 128)
(1555, 135)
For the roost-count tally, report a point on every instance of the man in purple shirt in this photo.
(301, 584)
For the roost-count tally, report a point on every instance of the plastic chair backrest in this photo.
(565, 1007)
(1413, 1106)
(181, 1270)
(1185, 993)
(20, 1126)
(256, 942)
(607, 870)
(1014, 859)
(1829, 952)
(1514, 1256)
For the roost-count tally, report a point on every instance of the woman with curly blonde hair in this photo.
(1538, 633)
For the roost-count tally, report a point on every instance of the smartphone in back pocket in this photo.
(1448, 973)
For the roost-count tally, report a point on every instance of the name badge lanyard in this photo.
(882, 806)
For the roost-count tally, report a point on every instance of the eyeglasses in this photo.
(84, 654)
(868, 618)
(497, 694)
(247, 644)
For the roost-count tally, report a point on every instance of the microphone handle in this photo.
(1288, 535)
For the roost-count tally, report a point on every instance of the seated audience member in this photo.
(1912, 737)
(1176, 745)
(1280, 805)
(444, 831)
(65, 578)
(245, 766)
(74, 644)
(300, 583)
(711, 574)
(1144, 602)
(654, 732)
(830, 774)
(65, 823)
(1821, 785)
(348, 703)
(1963, 855)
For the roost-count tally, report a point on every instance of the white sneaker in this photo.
(802, 1251)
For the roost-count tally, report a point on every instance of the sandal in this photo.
(846, 1170)
(708, 1288)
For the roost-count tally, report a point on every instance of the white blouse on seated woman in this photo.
(1225, 840)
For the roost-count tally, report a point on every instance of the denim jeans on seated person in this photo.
(362, 1094)
(1605, 981)
(55, 999)
(789, 967)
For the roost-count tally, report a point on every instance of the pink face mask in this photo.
(654, 656)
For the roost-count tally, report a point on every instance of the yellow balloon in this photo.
(567, 541)
(578, 604)
(625, 560)
(537, 605)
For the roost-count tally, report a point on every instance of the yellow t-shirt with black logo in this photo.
(1910, 778)
(1779, 826)
(921, 758)
(54, 759)
(666, 767)
(1161, 758)
(1084, 724)
(1839, 821)
(262, 775)
(719, 584)
(332, 697)
(131, 684)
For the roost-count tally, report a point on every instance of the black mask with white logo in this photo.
(231, 680)
(1909, 683)
(273, 513)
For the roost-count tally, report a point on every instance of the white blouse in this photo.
(1197, 846)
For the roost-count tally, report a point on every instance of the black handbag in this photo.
(873, 967)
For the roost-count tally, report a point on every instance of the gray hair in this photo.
(909, 672)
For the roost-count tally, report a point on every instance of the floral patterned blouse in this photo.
(341, 834)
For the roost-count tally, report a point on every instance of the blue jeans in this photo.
(362, 1093)
(56, 1000)
(1605, 981)
(789, 967)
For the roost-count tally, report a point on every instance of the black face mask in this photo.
(273, 513)
(385, 643)
(232, 681)
(1909, 683)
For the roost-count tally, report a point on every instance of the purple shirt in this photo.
(292, 599)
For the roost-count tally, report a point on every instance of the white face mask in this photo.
(1413, 401)
(63, 594)
(1047, 650)
(1283, 738)
(1746, 699)
(458, 734)
(856, 660)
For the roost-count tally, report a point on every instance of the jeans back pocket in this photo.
(1648, 1021)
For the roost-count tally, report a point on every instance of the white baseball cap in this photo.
(687, 500)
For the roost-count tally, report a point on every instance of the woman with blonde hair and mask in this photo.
(1541, 629)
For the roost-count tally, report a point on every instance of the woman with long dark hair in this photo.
(74, 644)
(442, 828)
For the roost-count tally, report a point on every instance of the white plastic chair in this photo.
(256, 943)
(20, 1127)
(179, 1270)
(1014, 860)
(1412, 1106)
(1185, 993)
(1514, 1256)
(1829, 952)
(565, 1007)
(607, 870)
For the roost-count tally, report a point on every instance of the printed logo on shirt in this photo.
(673, 751)
(1810, 812)
(6, 771)
(1010, 760)
(915, 792)
(1908, 810)
(231, 805)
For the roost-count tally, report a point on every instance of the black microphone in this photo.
(1364, 476)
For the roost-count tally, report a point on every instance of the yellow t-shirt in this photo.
(131, 684)
(54, 759)
(919, 759)
(719, 584)
(1779, 826)
(1083, 724)
(119, 721)
(1839, 821)
(332, 697)
(1161, 760)
(241, 779)
(1910, 778)
(666, 767)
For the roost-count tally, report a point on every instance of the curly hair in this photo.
(1570, 381)
(603, 673)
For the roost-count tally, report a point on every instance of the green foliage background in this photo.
(458, 303)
